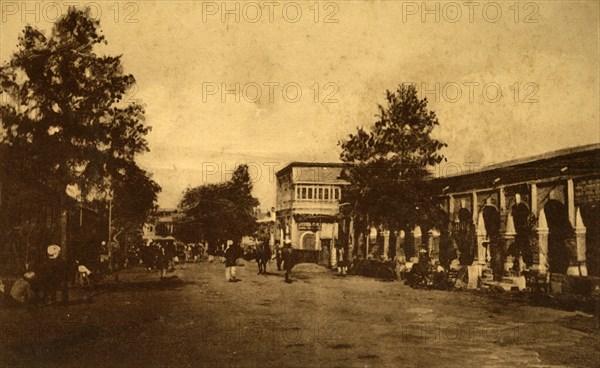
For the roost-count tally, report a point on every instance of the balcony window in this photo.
(326, 194)
(303, 193)
(310, 193)
(320, 193)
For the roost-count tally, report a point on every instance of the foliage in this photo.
(220, 211)
(65, 116)
(390, 161)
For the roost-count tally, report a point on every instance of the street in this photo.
(197, 319)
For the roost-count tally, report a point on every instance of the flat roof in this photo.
(312, 164)
(529, 159)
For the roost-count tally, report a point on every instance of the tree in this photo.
(136, 195)
(390, 161)
(65, 114)
(220, 211)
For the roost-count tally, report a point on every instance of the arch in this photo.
(465, 236)
(560, 230)
(308, 240)
(491, 220)
(522, 247)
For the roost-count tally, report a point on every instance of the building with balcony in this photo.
(307, 210)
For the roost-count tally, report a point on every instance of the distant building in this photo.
(308, 201)
(162, 226)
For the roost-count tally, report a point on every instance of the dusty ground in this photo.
(197, 319)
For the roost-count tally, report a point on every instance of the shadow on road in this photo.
(169, 283)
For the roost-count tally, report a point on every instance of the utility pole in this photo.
(108, 243)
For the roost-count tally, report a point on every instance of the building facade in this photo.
(547, 206)
(307, 210)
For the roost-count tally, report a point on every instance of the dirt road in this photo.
(197, 319)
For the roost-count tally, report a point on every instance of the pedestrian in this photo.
(103, 259)
(287, 254)
(231, 256)
(54, 276)
(342, 261)
(162, 261)
(278, 255)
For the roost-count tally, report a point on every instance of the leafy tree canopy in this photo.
(391, 159)
(65, 111)
(65, 116)
(220, 211)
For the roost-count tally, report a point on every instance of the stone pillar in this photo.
(580, 231)
(433, 246)
(386, 244)
(417, 236)
(509, 238)
(571, 201)
(542, 233)
(400, 255)
(332, 251)
(474, 207)
(481, 238)
(502, 199)
(534, 199)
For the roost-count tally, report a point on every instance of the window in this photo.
(320, 193)
(326, 194)
(336, 193)
(303, 193)
(297, 192)
(310, 193)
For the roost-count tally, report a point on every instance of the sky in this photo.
(266, 83)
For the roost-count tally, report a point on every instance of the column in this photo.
(474, 206)
(386, 244)
(333, 252)
(509, 238)
(417, 235)
(450, 206)
(482, 237)
(534, 199)
(434, 244)
(580, 231)
(542, 232)
(571, 201)
(400, 255)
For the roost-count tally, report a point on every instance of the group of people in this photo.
(262, 254)
(158, 257)
(42, 280)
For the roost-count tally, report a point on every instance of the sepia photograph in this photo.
(299, 184)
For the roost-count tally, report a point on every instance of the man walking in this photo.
(287, 253)
(231, 255)
(278, 255)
